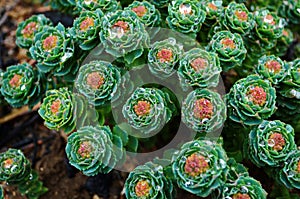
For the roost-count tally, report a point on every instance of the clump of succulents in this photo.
(288, 93)
(270, 143)
(65, 111)
(147, 110)
(53, 49)
(200, 167)
(289, 175)
(251, 100)
(146, 12)
(199, 68)
(203, 110)
(23, 85)
(229, 47)
(163, 57)
(186, 16)
(15, 169)
(86, 29)
(29, 28)
(237, 19)
(105, 5)
(148, 181)
(98, 81)
(123, 35)
(94, 149)
(272, 68)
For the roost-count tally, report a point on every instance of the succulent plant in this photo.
(229, 47)
(269, 27)
(98, 81)
(148, 110)
(270, 143)
(53, 50)
(272, 68)
(290, 11)
(244, 187)
(146, 12)
(148, 181)
(289, 175)
(289, 93)
(62, 110)
(15, 169)
(200, 167)
(105, 5)
(237, 19)
(124, 35)
(86, 29)
(163, 57)
(23, 85)
(213, 10)
(94, 149)
(203, 110)
(186, 16)
(199, 68)
(251, 100)
(283, 42)
(27, 30)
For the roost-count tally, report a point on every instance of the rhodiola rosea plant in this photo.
(205, 64)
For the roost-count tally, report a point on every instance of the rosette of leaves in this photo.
(251, 100)
(22, 85)
(148, 181)
(160, 3)
(289, 93)
(186, 16)
(269, 27)
(237, 18)
(163, 57)
(146, 12)
(98, 81)
(213, 10)
(124, 35)
(15, 169)
(86, 29)
(290, 11)
(147, 110)
(203, 110)
(92, 5)
(289, 175)
(244, 187)
(27, 29)
(94, 149)
(62, 110)
(200, 167)
(199, 68)
(283, 42)
(272, 68)
(270, 143)
(229, 47)
(53, 50)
